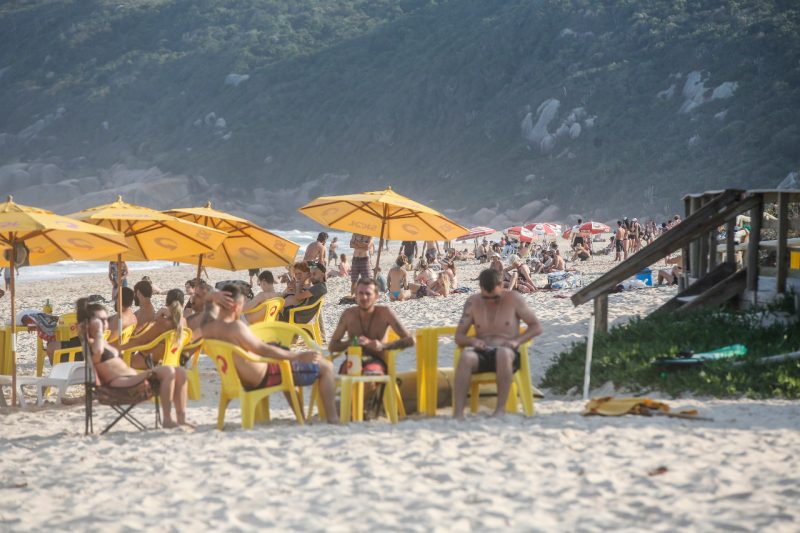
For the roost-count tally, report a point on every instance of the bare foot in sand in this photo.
(499, 414)
(169, 424)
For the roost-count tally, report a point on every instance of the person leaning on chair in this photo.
(496, 314)
(307, 366)
(113, 372)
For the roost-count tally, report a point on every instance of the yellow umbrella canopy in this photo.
(150, 234)
(247, 245)
(383, 214)
(50, 238)
(44, 237)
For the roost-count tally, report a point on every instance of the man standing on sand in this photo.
(368, 323)
(307, 366)
(409, 249)
(332, 256)
(315, 253)
(619, 242)
(117, 280)
(496, 314)
(360, 265)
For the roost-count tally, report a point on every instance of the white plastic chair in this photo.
(62, 376)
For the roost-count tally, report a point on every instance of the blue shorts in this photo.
(303, 375)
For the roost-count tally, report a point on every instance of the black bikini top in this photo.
(106, 355)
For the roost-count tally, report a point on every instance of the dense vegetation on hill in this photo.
(566, 100)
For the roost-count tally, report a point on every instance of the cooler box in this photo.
(646, 276)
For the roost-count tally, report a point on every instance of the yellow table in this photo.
(6, 363)
(427, 345)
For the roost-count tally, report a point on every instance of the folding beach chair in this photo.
(121, 399)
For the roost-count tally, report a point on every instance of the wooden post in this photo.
(601, 313)
(753, 244)
(702, 266)
(694, 246)
(730, 241)
(712, 248)
(686, 263)
(782, 258)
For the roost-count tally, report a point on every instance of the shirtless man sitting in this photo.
(127, 315)
(398, 281)
(266, 281)
(368, 323)
(496, 315)
(307, 366)
(146, 314)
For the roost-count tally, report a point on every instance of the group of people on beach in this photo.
(496, 313)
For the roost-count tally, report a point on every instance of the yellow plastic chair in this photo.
(140, 332)
(68, 355)
(521, 387)
(285, 334)
(270, 308)
(193, 371)
(255, 403)
(312, 327)
(172, 347)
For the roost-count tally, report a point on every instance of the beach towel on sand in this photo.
(610, 406)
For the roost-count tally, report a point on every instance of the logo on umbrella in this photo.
(167, 243)
(203, 234)
(279, 245)
(249, 253)
(330, 212)
(9, 224)
(77, 242)
(411, 228)
(363, 225)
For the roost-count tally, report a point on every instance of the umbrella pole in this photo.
(380, 247)
(12, 264)
(119, 299)
(199, 270)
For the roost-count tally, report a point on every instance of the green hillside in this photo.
(430, 96)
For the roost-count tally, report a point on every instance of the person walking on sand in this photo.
(409, 250)
(315, 253)
(360, 265)
(116, 279)
(496, 314)
(332, 247)
(619, 242)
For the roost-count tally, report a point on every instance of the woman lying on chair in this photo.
(167, 318)
(113, 372)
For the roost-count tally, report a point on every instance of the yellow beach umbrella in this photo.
(247, 245)
(44, 237)
(151, 235)
(383, 214)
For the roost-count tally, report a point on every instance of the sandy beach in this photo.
(555, 471)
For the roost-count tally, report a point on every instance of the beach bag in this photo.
(564, 280)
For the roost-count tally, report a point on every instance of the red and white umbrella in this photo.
(594, 228)
(542, 228)
(587, 227)
(476, 232)
(520, 233)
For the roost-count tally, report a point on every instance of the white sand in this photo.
(556, 471)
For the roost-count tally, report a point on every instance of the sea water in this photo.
(65, 269)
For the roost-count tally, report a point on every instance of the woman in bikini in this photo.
(113, 372)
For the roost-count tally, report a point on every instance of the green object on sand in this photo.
(693, 359)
